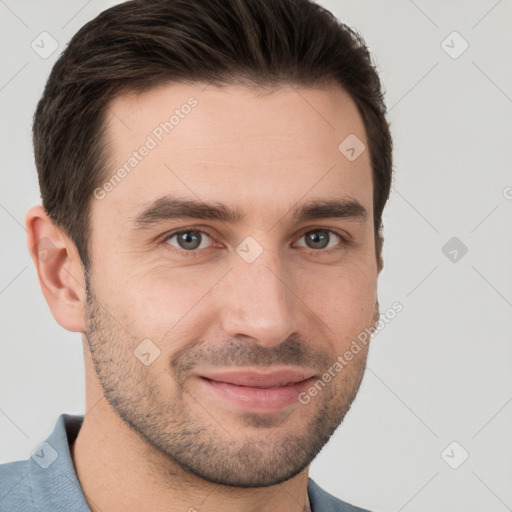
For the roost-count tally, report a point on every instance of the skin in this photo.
(152, 438)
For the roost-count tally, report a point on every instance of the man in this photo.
(213, 175)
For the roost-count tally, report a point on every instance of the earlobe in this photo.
(59, 269)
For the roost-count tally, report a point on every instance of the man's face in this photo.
(236, 316)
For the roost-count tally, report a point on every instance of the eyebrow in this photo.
(168, 208)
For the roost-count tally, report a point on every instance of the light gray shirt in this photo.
(47, 481)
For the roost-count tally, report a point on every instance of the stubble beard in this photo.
(189, 432)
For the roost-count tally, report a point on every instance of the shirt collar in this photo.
(53, 480)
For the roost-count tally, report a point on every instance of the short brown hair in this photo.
(140, 44)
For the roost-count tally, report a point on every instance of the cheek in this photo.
(159, 303)
(344, 301)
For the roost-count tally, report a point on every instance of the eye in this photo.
(318, 239)
(189, 240)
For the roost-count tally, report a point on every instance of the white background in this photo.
(441, 370)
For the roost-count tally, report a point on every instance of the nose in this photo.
(258, 301)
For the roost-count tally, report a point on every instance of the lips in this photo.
(255, 391)
(255, 379)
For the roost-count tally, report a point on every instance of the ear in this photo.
(59, 269)
(376, 314)
(380, 263)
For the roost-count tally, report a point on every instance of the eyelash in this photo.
(195, 252)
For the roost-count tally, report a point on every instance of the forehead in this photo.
(250, 148)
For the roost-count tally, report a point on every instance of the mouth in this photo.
(256, 391)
